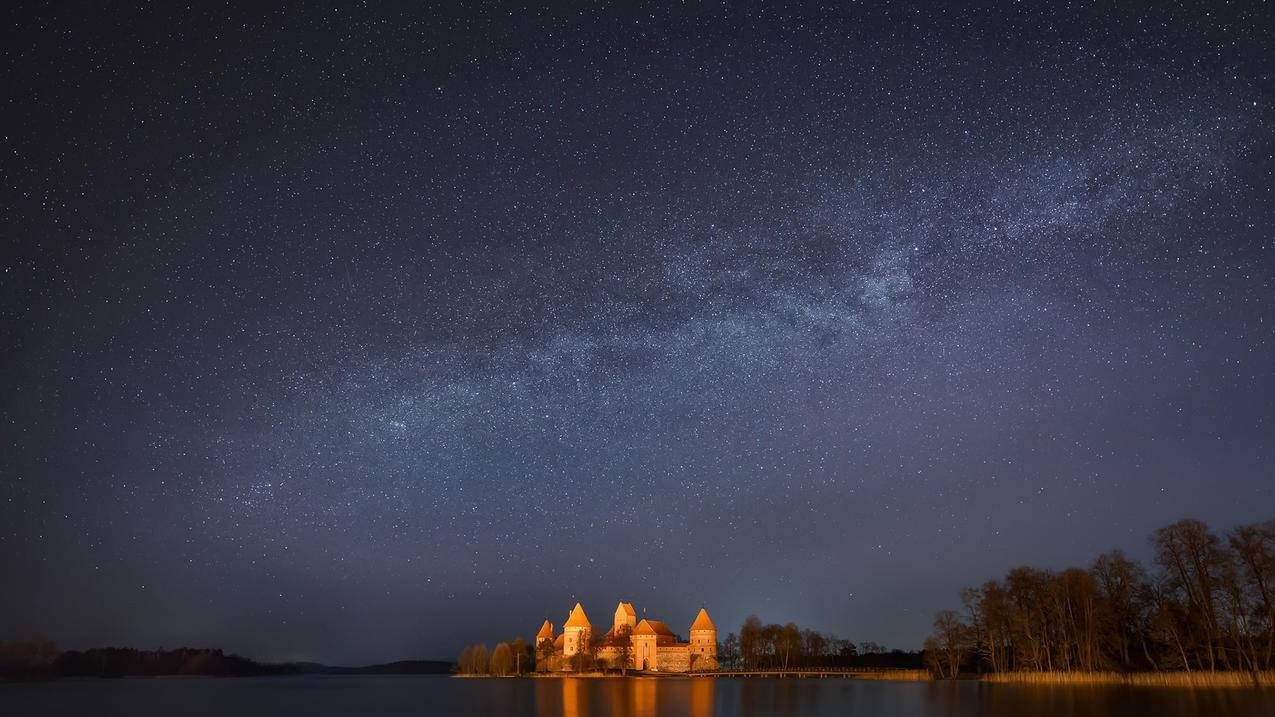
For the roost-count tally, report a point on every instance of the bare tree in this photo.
(502, 660)
(730, 651)
(1189, 553)
(788, 644)
(1210, 605)
(1254, 549)
(473, 660)
(750, 641)
(950, 643)
(1120, 581)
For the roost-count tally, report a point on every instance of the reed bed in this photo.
(1141, 679)
(900, 675)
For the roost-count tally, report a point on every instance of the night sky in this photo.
(363, 334)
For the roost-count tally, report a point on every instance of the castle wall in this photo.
(609, 656)
(675, 658)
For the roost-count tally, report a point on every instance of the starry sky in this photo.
(363, 333)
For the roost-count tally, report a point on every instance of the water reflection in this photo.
(408, 696)
(704, 697)
(637, 697)
(644, 697)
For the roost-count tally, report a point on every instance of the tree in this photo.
(1208, 604)
(845, 651)
(1121, 582)
(1189, 553)
(473, 660)
(27, 657)
(769, 643)
(1254, 550)
(989, 621)
(787, 644)
(502, 660)
(544, 650)
(948, 647)
(585, 658)
(623, 642)
(522, 655)
(730, 651)
(750, 641)
(813, 647)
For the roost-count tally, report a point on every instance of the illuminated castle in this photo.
(647, 645)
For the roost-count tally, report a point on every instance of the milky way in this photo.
(343, 336)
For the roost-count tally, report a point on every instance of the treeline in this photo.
(507, 658)
(761, 646)
(1207, 604)
(40, 659)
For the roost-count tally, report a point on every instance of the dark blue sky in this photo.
(363, 334)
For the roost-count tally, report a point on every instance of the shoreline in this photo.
(1232, 679)
(882, 676)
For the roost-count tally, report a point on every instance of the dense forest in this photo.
(1206, 604)
(762, 646)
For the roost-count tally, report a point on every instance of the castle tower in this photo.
(625, 616)
(576, 631)
(645, 647)
(703, 642)
(544, 647)
(546, 633)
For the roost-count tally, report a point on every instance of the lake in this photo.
(319, 696)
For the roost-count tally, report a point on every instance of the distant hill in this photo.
(40, 660)
(402, 667)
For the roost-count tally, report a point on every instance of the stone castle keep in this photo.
(647, 645)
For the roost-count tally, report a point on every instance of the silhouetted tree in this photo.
(1208, 606)
(523, 659)
(1254, 549)
(750, 641)
(729, 651)
(949, 645)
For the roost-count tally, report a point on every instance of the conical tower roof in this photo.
(577, 618)
(702, 622)
(546, 631)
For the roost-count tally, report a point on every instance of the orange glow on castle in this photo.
(646, 645)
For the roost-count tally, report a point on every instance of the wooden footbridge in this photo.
(819, 673)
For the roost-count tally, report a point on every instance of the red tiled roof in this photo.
(652, 627)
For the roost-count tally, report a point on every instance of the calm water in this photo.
(393, 695)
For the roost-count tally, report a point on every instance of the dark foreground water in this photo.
(393, 695)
